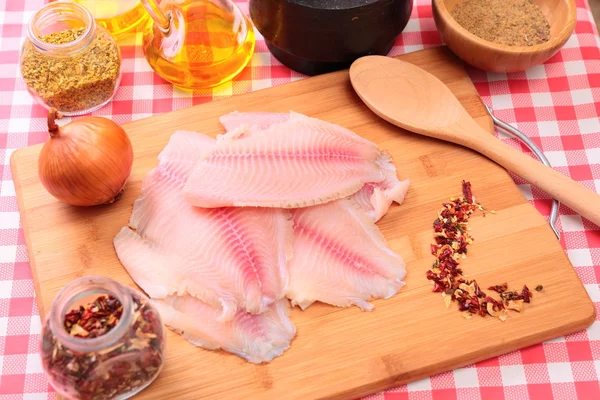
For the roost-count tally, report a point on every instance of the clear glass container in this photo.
(119, 17)
(114, 365)
(68, 61)
(197, 44)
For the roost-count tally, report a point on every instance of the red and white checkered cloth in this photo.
(556, 104)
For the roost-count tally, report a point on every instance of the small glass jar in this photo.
(114, 365)
(69, 62)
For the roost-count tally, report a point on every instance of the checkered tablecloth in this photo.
(556, 104)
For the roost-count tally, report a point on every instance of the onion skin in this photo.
(86, 162)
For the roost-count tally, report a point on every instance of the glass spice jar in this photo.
(101, 340)
(69, 62)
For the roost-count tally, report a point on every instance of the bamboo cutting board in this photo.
(338, 353)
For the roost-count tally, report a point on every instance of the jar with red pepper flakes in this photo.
(101, 340)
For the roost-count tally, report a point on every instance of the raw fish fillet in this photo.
(231, 258)
(184, 149)
(341, 258)
(374, 197)
(257, 338)
(262, 120)
(297, 163)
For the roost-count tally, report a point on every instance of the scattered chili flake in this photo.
(539, 288)
(119, 369)
(526, 294)
(467, 193)
(499, 288)
(451, 242)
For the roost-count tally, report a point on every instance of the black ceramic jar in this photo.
(317, 36)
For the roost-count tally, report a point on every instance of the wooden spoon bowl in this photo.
(489, 56)
(412, 98)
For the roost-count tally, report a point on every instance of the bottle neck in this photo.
(70, 297)
(59, 16)
(161, 20)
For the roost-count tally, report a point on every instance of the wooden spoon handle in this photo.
(559, 186)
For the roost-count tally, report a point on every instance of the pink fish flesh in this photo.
(374, 197)
(262, 120)
(257, 338)
(230, 258)
(341, 258)
(297, 163)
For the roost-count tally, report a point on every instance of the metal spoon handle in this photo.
(538, 153)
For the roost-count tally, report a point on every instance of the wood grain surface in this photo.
(338, 353)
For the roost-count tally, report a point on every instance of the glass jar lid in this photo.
(60, 16)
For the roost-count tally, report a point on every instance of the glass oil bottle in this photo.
(196, 44)
(119, 17)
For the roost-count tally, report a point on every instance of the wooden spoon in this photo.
(413, 99)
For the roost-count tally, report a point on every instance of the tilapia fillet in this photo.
(341, 258)
(257, 338)
(296, 163)
(262, 120)
(230, 258)
(374, 197)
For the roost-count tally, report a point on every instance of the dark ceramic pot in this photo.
(317, 36)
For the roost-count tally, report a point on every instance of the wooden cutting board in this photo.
(338, 353)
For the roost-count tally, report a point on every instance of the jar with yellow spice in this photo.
(67, 61)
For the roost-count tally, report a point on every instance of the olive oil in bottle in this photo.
(118, 17)
(197, 44)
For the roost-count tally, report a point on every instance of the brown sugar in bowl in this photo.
(490, 56)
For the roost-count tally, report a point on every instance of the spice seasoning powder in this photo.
(508, 22)
(73, 82)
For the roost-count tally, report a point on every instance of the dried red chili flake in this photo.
(526, 294)
(431, 275)
(434, 249)
(510, 295)
(499, 288)
(478, 291)
(451, 244)
(467, 193)
(438, 287)
(95, 319)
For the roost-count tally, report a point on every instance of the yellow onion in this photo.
(85, 162)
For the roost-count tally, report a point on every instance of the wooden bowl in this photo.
(494, 57)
